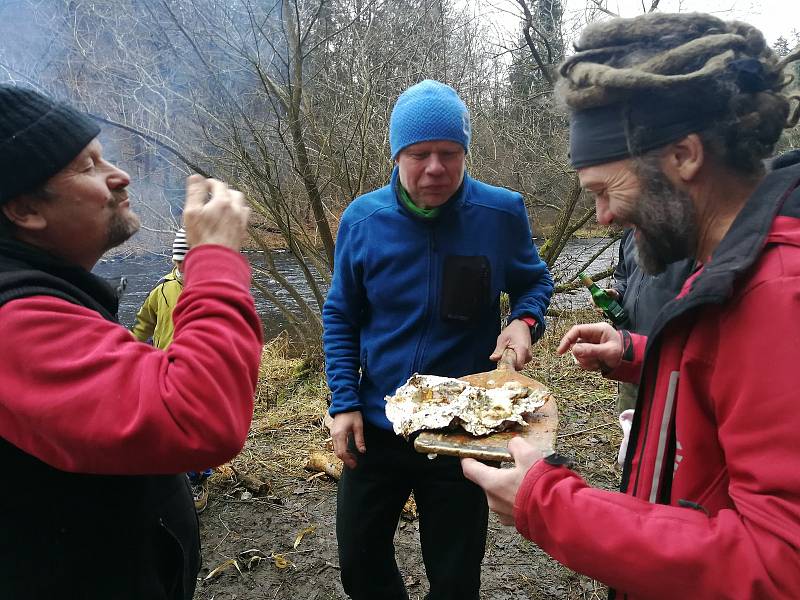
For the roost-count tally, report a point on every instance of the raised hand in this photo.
(214, 214)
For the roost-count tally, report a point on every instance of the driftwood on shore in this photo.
(325, 462)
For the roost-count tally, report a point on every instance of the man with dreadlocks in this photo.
(671, 117)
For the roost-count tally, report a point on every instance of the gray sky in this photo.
(773, 17)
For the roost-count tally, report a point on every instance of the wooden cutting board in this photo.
(540, 432)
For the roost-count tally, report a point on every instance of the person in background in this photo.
(419, 267)
(97, 429)
(154, 321)
(671, 118)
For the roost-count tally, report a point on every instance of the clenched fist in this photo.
(214, 214)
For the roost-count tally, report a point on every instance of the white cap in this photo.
(180, 247)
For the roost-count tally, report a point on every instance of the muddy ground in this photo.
(253, 532)
(281, 543)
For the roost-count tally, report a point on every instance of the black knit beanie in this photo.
(38, 138)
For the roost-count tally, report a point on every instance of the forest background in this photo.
(289, 101)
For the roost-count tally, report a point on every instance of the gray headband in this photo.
(606, 133)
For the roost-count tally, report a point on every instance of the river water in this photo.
(143, 272)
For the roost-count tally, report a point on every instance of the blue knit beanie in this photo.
(426, 112)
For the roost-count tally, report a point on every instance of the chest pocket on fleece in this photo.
(466, 282)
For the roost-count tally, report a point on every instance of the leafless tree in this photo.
(289, 101)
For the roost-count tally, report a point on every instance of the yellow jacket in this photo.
(154, 318)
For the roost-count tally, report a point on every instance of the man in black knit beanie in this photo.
(96, 428)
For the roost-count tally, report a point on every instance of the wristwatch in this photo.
(559, 460)
(532, 324)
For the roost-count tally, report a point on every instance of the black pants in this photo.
(453, 516)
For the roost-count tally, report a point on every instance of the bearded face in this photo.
(82, 211)
(122, 223)
(664, 218)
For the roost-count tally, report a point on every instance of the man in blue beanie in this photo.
(420, 265)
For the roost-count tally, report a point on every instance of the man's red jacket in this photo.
(82, 395)
(711, 507)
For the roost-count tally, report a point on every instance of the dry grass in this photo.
(588, 426)
(287, 420)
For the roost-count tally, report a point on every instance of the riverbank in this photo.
(281, 543)
(275, 241)
(272, 239)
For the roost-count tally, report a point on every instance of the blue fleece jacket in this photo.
(389, 310)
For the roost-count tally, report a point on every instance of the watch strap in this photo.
(559, 460)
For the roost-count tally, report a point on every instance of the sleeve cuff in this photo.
(630, 369)
(218, 264)
(342, 406)
(522, 499)
(533, 324)
(337, 411)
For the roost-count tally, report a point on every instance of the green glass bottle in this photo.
(612, 309)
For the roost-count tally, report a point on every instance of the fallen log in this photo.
(251, 483)
(324, 462)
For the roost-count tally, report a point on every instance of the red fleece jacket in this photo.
(81, 394)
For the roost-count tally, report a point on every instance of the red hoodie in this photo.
(79, 393)
(711, 507)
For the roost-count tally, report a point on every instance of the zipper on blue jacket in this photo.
(428, 302)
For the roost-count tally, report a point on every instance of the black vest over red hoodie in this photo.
(78, 536)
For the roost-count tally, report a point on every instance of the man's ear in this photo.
(684, 159)
(23, 211)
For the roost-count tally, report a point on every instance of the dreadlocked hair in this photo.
(724, 69)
